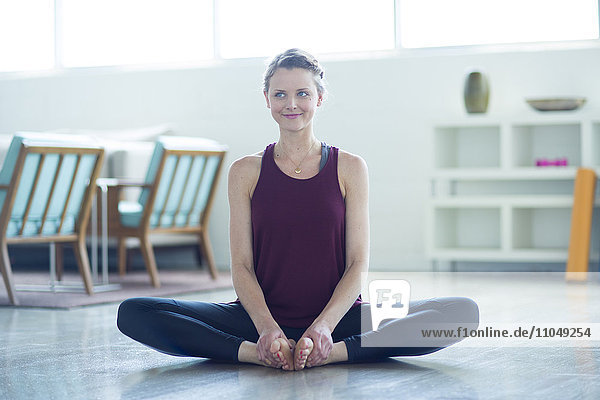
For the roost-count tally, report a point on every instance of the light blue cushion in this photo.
(41, 196)
(131, 213)
(37, 139)
(10, 160)
(32, 227)
(180, 193)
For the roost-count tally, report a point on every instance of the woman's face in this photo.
(293, 98)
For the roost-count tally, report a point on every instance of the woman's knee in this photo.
(467, 310)
(130, 312)
(125, 313)
(452, 309)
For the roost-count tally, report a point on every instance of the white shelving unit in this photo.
(491, 203)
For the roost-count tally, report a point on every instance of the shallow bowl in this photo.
(557, 104)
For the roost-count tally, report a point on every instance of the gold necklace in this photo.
(298, 169)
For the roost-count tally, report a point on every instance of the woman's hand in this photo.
(320, 334)
(266, 339)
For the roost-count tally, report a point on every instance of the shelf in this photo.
(467, 147)
(498, 201)
(541, 227)
(456, 227)
(595, 143)
(490, 202)
(535, 141)
(512, 174)
(494, 255)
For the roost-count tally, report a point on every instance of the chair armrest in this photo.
(114, 194)
(121, 183)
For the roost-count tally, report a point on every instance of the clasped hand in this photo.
(310, 352)
(320, 334)
(265, 341)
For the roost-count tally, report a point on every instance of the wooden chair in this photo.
(45, 196)
(176, 197)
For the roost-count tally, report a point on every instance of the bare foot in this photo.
(283, 352)
(301, 353)
(339, 353)
(248, 353)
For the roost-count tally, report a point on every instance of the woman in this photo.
(299, 237)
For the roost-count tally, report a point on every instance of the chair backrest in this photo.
(45, 185)
(181, 178)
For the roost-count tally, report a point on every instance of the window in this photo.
(264, 27)
(434, 23)
(118, 32)
(91, 33)
(26, 35)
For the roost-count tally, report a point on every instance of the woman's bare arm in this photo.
(243, 176)
(355, 183)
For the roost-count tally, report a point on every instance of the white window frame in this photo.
(398, 51)
(492, 48)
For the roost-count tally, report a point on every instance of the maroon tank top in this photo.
(298, 229)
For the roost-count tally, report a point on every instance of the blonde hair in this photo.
(295, 58)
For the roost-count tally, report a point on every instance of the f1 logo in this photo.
(389, 299)
(381, 297)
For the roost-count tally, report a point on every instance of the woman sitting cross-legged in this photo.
(299, 237)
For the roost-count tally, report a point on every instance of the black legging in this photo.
(216, 330)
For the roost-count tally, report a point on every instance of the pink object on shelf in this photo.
(559, 162)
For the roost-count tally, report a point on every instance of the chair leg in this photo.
(198, 252)
(208, 253)
(149, 260)
(83, 263)
(59, 260)
(122, 254)
(7, 274)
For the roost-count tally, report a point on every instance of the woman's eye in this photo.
(280, 94)
(302, 94)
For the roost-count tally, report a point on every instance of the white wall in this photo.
(381, 108)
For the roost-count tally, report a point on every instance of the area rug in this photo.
(133, 284)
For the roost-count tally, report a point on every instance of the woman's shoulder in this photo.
(247, 164)
(351, 163)
(352, 173)
(244, 172)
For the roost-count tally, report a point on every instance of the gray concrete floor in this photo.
(80, 354)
